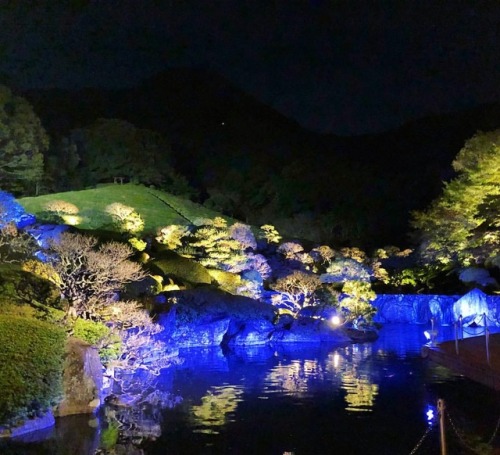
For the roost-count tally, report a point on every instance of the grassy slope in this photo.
(156, 208)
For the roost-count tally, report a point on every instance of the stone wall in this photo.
(445, 309)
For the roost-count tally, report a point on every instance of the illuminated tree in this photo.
(23, 142)
(172, 236)
(60, 211)
(91, 275)
(461, 227)
(270, 233)
(244, 235)
(15, 245)
(211, 244)
(359, 294)
(125, 218)
(297, 290)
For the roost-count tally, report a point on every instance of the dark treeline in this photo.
(223, 148)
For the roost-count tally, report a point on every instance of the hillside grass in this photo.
(157, 208)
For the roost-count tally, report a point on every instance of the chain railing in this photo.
(461, 436)
(422, 439)
(460, 330)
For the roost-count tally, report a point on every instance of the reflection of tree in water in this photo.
(295, 377)
(216, 405)
(360, 391)
(127, 427)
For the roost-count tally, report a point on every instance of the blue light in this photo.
(430, 414)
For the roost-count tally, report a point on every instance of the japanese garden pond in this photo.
(370, 398)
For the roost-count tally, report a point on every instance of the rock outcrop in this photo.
(445, 309)
(82, 380)
(209, 317)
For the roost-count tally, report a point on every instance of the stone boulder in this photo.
(256, 332)
(309, 330)
(82, 380)
(207, 316)
(471, 307)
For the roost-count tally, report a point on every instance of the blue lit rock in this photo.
(445, 309)
(309, 330)
(202, 317)
(249, 333)
(45, 233)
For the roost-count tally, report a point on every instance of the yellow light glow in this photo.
(72, 220)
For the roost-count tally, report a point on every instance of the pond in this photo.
(371, 398)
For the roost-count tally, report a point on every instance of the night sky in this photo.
(345, 67)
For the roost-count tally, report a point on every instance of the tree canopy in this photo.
(23, 142)
(111, 148)
(461, 227)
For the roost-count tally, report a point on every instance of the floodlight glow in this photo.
(335, 320)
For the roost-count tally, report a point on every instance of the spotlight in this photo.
(335, 320)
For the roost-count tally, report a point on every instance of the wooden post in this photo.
(487, 339)
(442, 429)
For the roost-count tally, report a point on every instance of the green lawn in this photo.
(156, 208)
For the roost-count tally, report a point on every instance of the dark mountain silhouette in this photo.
(214, 127)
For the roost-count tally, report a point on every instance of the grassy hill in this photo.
(156, 208)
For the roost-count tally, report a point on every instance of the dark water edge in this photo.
(371, 398)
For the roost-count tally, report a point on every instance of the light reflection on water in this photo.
(371, 398)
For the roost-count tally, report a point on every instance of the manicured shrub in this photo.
(99, 335)
(31, 364)
(170, 264)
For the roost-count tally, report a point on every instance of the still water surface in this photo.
(373, 398)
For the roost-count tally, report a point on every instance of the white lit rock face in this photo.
(445, 309)
(471, 307)
(82, 380)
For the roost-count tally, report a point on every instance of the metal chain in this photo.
(419, 443)
(494, 432)
(474, 333)
(459, 435)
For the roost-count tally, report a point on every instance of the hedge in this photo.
(31, 365)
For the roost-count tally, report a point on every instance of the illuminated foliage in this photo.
(461, 226)
(345, 269)
(294, 251)
(172, 236)
(22, 144)
(243, 234)
(90, 274)
(31, 362)
(357, 303)
(270, 233)
(125, 218)
(213, 247)
(59, 211)
(15, 245)
(297, 290)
